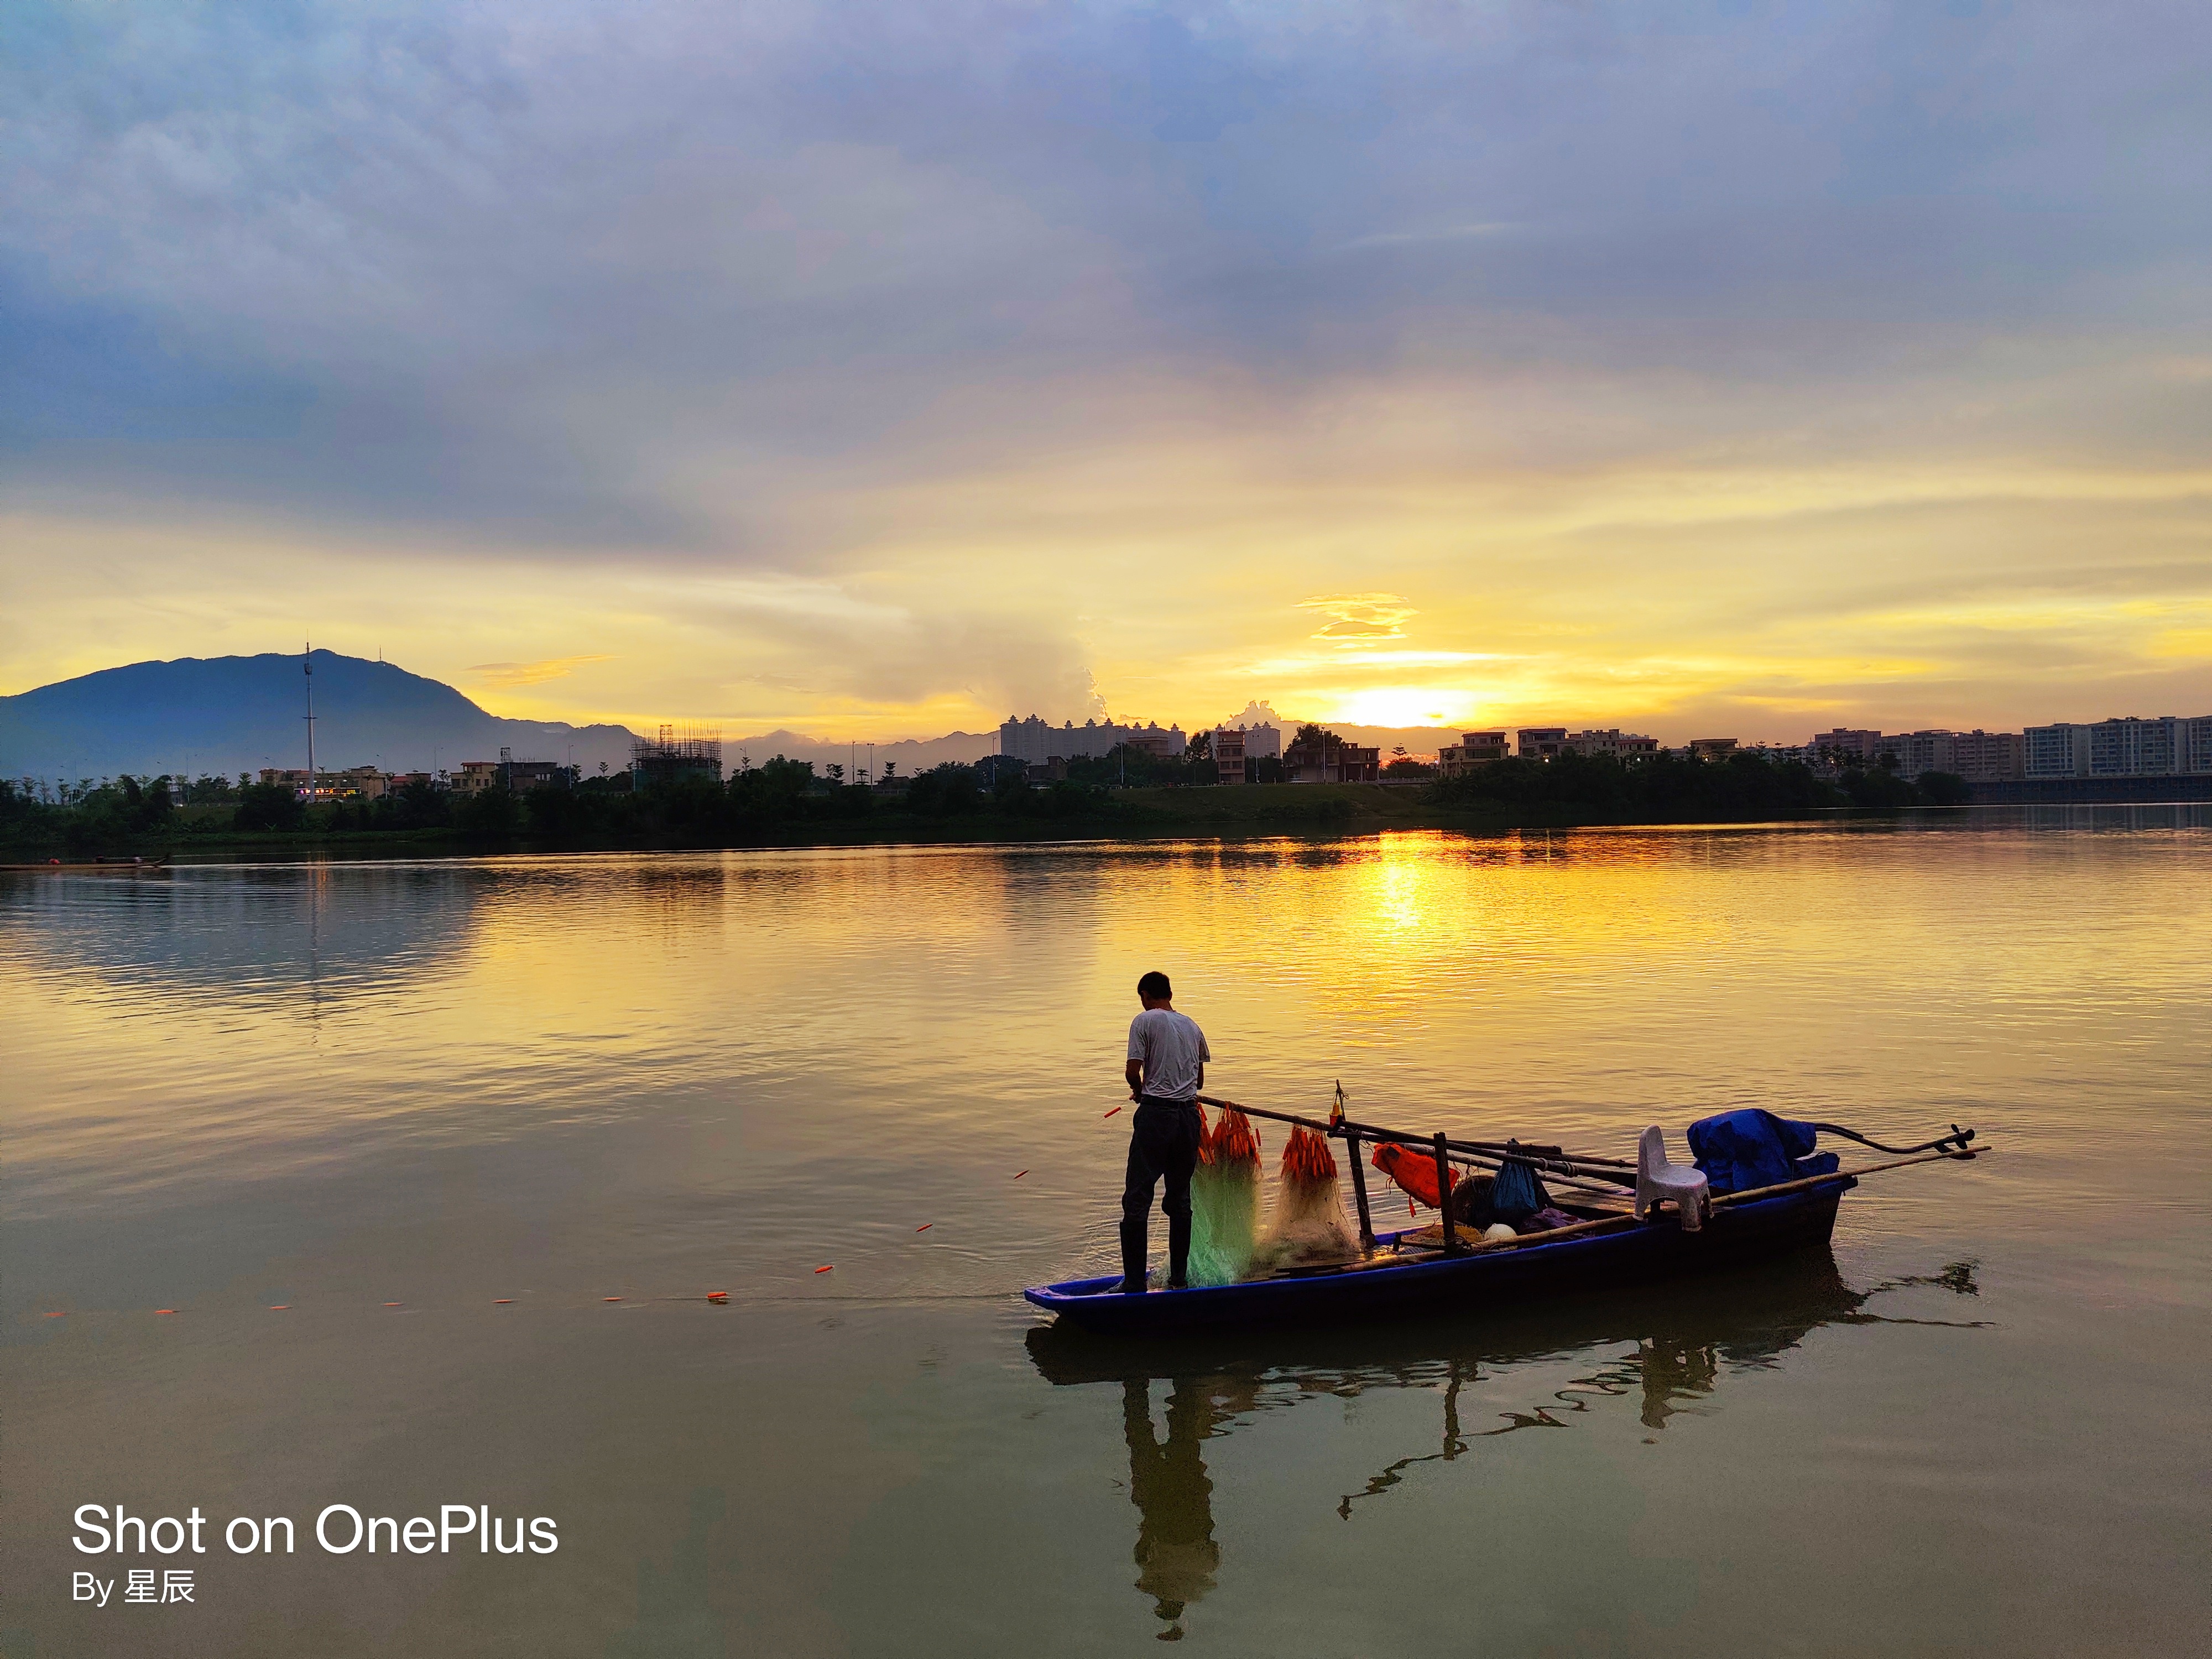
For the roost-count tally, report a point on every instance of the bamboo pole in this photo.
(1475, 1154)
(1359, 1190)
(1444, 1198)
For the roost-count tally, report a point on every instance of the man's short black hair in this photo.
(1154, 987)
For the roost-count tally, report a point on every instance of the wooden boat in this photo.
(94, 867)
(1402, 1278)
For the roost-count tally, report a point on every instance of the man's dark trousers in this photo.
(1163, 1142)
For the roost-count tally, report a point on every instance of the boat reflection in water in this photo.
(1687, 1340)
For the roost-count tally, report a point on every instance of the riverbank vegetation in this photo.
(784, 802)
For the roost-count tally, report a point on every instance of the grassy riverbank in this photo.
(784, 804)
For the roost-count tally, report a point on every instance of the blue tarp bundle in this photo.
(1739, 1151)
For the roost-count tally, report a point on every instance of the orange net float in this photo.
(1225, 1201)
(1415, 1172)
(1308, 1226)
(1231, 1141)
(1307, 1158)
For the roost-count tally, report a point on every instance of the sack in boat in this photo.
(1517, 1194)
(1225, 1201)
(1472, 1206)
(1308, 1226)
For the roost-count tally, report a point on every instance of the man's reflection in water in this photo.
(1673, 1369)
(1686, 1344)
(1176, 1556)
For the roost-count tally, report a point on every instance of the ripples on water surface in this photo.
(1976, 1426)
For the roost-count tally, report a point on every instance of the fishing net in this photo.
(1225, 1201)
(1308, 1226)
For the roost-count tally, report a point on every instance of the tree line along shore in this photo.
(784, 802)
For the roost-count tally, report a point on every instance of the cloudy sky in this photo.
(1732, 366)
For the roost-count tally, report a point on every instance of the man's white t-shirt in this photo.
(1172, 1046)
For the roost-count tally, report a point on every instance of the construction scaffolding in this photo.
(682, 751)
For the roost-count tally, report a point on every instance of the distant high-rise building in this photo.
(2058, 751)
(1035, 741)
(1847, 745)
(1982, 757)
(2196, 745)
(2136, 748)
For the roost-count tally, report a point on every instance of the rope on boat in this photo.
(1958, 1137)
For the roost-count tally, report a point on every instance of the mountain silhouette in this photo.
(230, 714)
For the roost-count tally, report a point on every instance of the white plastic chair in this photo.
(1658, 1179)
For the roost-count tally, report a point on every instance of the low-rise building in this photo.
(474, 777)
(1473, 751)
(521, 775)
(1229, 754)
(1541, 742)
(1330, 760)
(1621, 746)
(1712, 748)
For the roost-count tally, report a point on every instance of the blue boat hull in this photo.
(1734, 1235)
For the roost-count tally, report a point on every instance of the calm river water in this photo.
(498, 1093)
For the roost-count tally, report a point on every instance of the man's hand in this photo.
(1136, 1075)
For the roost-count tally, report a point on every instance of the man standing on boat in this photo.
(1166, 1070)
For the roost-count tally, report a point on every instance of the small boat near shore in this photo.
(1437, 1269)
(117, 866)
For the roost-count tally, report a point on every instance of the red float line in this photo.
(718, 1296)
(1116, 1109)
(924, 1226)
(1019, 1174)
(610, 1299)
(502, 1302)
(280, 1307)
(163, 1310)
(824, 1269)
(392, 1305)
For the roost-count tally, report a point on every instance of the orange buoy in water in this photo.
(1415, 1172)
(502, 1302)
(1116, 1109)
(718, 1296)
(826, 1267)
(924, 1226)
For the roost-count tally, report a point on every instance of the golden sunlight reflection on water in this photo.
(532, 1084)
